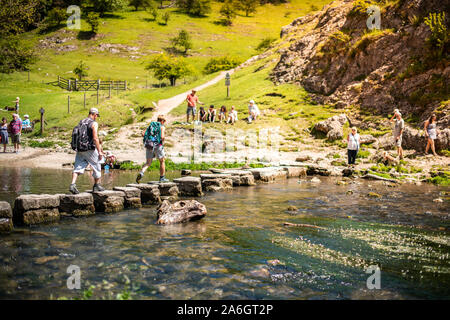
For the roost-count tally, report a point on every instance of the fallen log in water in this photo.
(181, 211)
(288, 224)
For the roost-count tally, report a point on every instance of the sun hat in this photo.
(94, 111)
(15, 115)
(252, 101)
(26, 116)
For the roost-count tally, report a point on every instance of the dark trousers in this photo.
(352, 156)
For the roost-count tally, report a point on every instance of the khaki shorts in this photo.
(83, 159)
(155, 153)
(15, 138)
(398, 143)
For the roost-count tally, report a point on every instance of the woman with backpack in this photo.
(353, 143)
(154, 145)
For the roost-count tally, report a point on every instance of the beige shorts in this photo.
(155, 153)
(398, 143)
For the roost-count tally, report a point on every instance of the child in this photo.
(203, 114)
(232, 116)
(222, 113)
(4, 133)
(211, 113)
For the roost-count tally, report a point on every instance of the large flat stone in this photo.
(149, 193)
(210, 176)
(5, 210)
(167, 189)
(269, 174)
(130, 192)
(189, 186)
(109, 201)
(76, 204)
(295, 172)
(36, 201)
(216, 185)
(6, 225)
(241, 177)
(37, 216)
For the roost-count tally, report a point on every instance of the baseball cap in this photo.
(15, 115)
(252, 101)
(94, 111)
(26, 116)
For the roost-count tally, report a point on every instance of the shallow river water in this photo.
(240, 250)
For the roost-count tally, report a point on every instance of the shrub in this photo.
(222, 63)
(56, 16)
(195, 7)
(93, 19)
(166, 17)
(439, 39)
(228, 12)
(182, 40)
(169, 67)
(15, 55)
(265, 44)
(81, 70)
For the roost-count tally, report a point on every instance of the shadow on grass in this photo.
(49, 29)
(86, 35)
(149, 19)
(112, 16)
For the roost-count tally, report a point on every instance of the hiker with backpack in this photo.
(154, 145)
(86, 143)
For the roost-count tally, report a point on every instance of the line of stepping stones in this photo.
(32, 209)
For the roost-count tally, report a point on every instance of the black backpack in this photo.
(81, 139)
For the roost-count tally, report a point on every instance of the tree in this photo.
(17, 16)
(182, 40)
(439, 39)
(248, 6)
(102, 6)
(195, 7)
(93, 19)
(228, 12)
(56, 16)
(153, 10)
(15, 55)
(169, 67)
(166, 17)
(140, 4)
(221, 63)
(81, 70)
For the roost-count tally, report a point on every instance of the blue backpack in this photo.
(152, 137)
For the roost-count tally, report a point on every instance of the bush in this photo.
(228, 12)
(15, 55)
(166, 17)
(169, 67)
(265, 44)
(439, 40)
(195, 7)
(93, 19)
(56, 16)
(182, 40)
(222, 63)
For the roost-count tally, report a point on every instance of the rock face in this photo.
(181, 211)
(132, 196)
(149, 193)
(76, 204)
(109, 201)
(332, 54)
(6, 224)
(189, 186)
(34, 209)
(216, 182)
(168, 190)
(332, 127)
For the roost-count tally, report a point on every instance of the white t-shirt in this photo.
(233, 114)
(353, 142)
(254, 109)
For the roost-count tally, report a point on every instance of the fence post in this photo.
(58, 82)
(28, 75)
(68, 85)
(109, 91)
(84, 99)
(125, 85)
(76, 85)
(68, 104)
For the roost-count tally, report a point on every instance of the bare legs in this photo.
(430, 143)
(162, 166)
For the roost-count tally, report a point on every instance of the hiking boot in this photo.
(139, 177)
(73, 189)
(163, 179)
(98, 188)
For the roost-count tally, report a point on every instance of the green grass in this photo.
(171, 166)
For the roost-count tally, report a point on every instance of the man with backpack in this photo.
(153, 142)
(86, 143)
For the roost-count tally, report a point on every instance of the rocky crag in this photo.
(334, 55)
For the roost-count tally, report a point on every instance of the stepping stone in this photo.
(189, 186)
(295, 172)
(168, 190)
(35, 209)
(149, 193)
(268, 175)
(316, 170)
(109, 201)
(216, 182)
(241, 177)
(6, 223)
(185, 172)
(132, 196)
(76, 204)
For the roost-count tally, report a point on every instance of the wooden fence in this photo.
(90, 85)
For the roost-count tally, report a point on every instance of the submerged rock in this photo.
(181, 211)
(6, 224)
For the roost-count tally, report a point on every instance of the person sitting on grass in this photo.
(232, 116)
(4, 133)
(203, 115)
(222, 114)
(26, 124)
(253, 111)
(211, 114)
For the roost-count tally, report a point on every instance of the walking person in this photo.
(16, 106)
(353, 144)
(15, 127)
(86, 143)
(154, 138)
(4, 133)
(431, 133)
(398, 131)
(192, 100)
(253, 111)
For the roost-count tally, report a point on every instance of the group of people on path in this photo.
(13, 130)
(210, 115)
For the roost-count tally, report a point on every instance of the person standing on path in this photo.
(398, 131)
(89, 151)
(430, 133)
(16, 107)
(192, 100)
(15, 127)
(353, 143)
(154, 144)
(4, 133)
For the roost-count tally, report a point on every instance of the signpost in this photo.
(228, 83)
(42, 120)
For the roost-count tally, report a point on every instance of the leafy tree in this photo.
(248, 6)
(102, 6)
(221, 63)
(169, 67)
(195, 7)
(228, 12)
(153, 10)
(140, 4)
(439, 38)
(15, 55)
(56, 16)
(182, 40)
(81, 70)
(17, 16)
(166, 17)
(93, 19)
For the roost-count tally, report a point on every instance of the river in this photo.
(241, 249)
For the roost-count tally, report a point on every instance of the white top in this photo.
(353, 142)
(253, 108)
(233, 114)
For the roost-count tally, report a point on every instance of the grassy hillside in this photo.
(140, 38)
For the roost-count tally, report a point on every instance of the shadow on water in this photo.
(241, 250)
